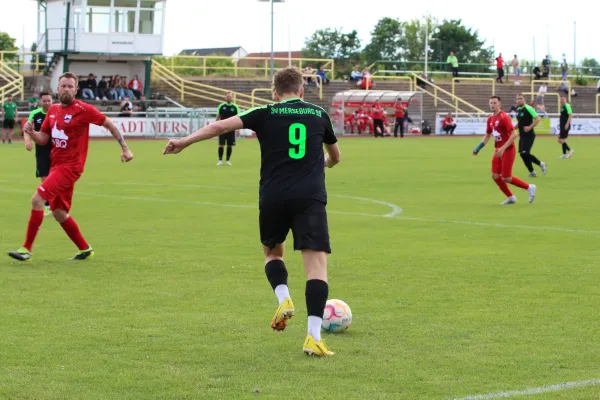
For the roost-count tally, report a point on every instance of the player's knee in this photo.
(275, 253)
(507, 179)
(37, 202)
(60, 215)
(495, 176)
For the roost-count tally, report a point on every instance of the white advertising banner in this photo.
(477, 126)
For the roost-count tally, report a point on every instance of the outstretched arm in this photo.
(29, 134)
(175, 146)
(126, 154)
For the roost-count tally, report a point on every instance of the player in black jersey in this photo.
(527, 120)
(566, 115)
(42, 153)
(292, 193)
(224, 111)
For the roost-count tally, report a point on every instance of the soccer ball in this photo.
(337, 316)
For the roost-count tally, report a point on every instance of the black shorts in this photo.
(526, 142)
(8, 123)
(228, 138)
(307, 218)
(42, 165)
(564, 133)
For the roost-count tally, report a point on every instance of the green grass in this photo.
(175, 304)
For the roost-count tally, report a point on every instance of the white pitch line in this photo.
(538, 390)
(395, 209)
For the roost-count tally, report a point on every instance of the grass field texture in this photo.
(453, 296)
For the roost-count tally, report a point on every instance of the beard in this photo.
(66, 98)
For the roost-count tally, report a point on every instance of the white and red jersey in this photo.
(69, 128)
(500, 127)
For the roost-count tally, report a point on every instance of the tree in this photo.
(344, 48)
(590, 66)
(8, 44)
(332, 43)
(414, 32)
(451, 35)
(387, 41)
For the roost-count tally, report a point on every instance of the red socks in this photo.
(72, 230)
(519, 183)
(35, 221)
(503, 186)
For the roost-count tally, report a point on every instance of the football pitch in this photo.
(452, 294)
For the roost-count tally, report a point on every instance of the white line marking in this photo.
(395, 209)
(392, 215)
(537, 390)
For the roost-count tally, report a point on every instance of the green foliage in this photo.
(8, 43)
(590, 66)
(335, 44)
(581, 81)
(387, 41)
(452, 35)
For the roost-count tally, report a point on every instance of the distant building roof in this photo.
(228, 51)
(277, 54)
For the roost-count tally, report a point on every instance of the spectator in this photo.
(136, 87)
(128, 92)
(452, 62)
(537, 72)
(449, 125)
(118, 87)
(92, 86)
(365, 82)
(308, 71)
(564, 86)
(539, 98)
(500, 68)
(513, 110)
(105, 92)
(142, 106)
(422, 79)
(564, 68)
(598, 86)
(34, 100)
(516, 69)
(126, 108)
(355, 75)
(546, 66)
(321, 73)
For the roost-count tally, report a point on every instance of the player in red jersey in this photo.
(377, 116)
(500, 126)
(68, 126)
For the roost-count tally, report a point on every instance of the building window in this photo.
(97, 19)
(124, 20)
(151, 14)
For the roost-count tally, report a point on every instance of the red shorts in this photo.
(57, 188)
(503, 165)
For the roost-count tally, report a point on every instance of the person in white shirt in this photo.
(355, 75)
(514, 63)
(539, 98)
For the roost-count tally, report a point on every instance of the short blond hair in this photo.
(70, 75)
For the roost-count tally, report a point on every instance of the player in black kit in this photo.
(527, 120)
(224, 111)
(292, 193)
(42, 153)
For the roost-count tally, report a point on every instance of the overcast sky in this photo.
(246, 23)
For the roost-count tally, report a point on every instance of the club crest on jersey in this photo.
(497, 122)
(68, 118)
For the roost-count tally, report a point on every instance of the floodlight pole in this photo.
(272, 51)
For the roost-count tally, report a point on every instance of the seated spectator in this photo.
(449, 125)
(126, 108)
(356, 75)
(105, 92)
(92, 86)
(422, 79)
(537, 72)
(142, 106)
(308, 71)
(86, 92)
(128, 92)
(321, 73)
(117, 86)
(136, 87)
(365, 82)
(564, 86)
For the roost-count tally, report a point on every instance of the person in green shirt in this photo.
(566, 116)
(9, 109)
(34, 101)
(452, 61)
